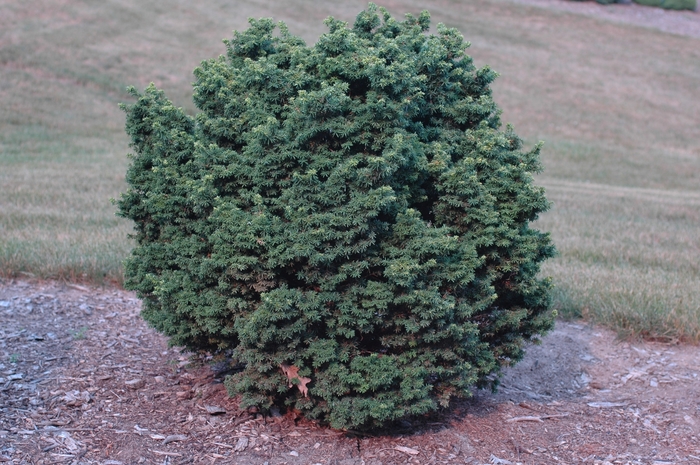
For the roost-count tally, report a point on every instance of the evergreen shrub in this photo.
(666, 4)
(346, 221)
(670, 4)
(680, 4)
(657, 3)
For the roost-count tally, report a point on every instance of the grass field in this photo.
(615, 104)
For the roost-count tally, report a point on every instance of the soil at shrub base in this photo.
(83, 380)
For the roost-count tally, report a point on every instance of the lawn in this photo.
(615, 104)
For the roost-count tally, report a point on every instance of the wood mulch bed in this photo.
(83, 380)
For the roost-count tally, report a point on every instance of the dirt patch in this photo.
(83, 380)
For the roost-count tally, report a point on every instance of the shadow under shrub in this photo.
(346, 220)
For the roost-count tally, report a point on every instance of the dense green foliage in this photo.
(346, 217)
(670, 4)
(666, 4)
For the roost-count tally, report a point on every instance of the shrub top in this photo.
(347, 218)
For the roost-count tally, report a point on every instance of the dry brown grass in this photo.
(615, 103)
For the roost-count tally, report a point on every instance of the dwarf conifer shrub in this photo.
(346, 221)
